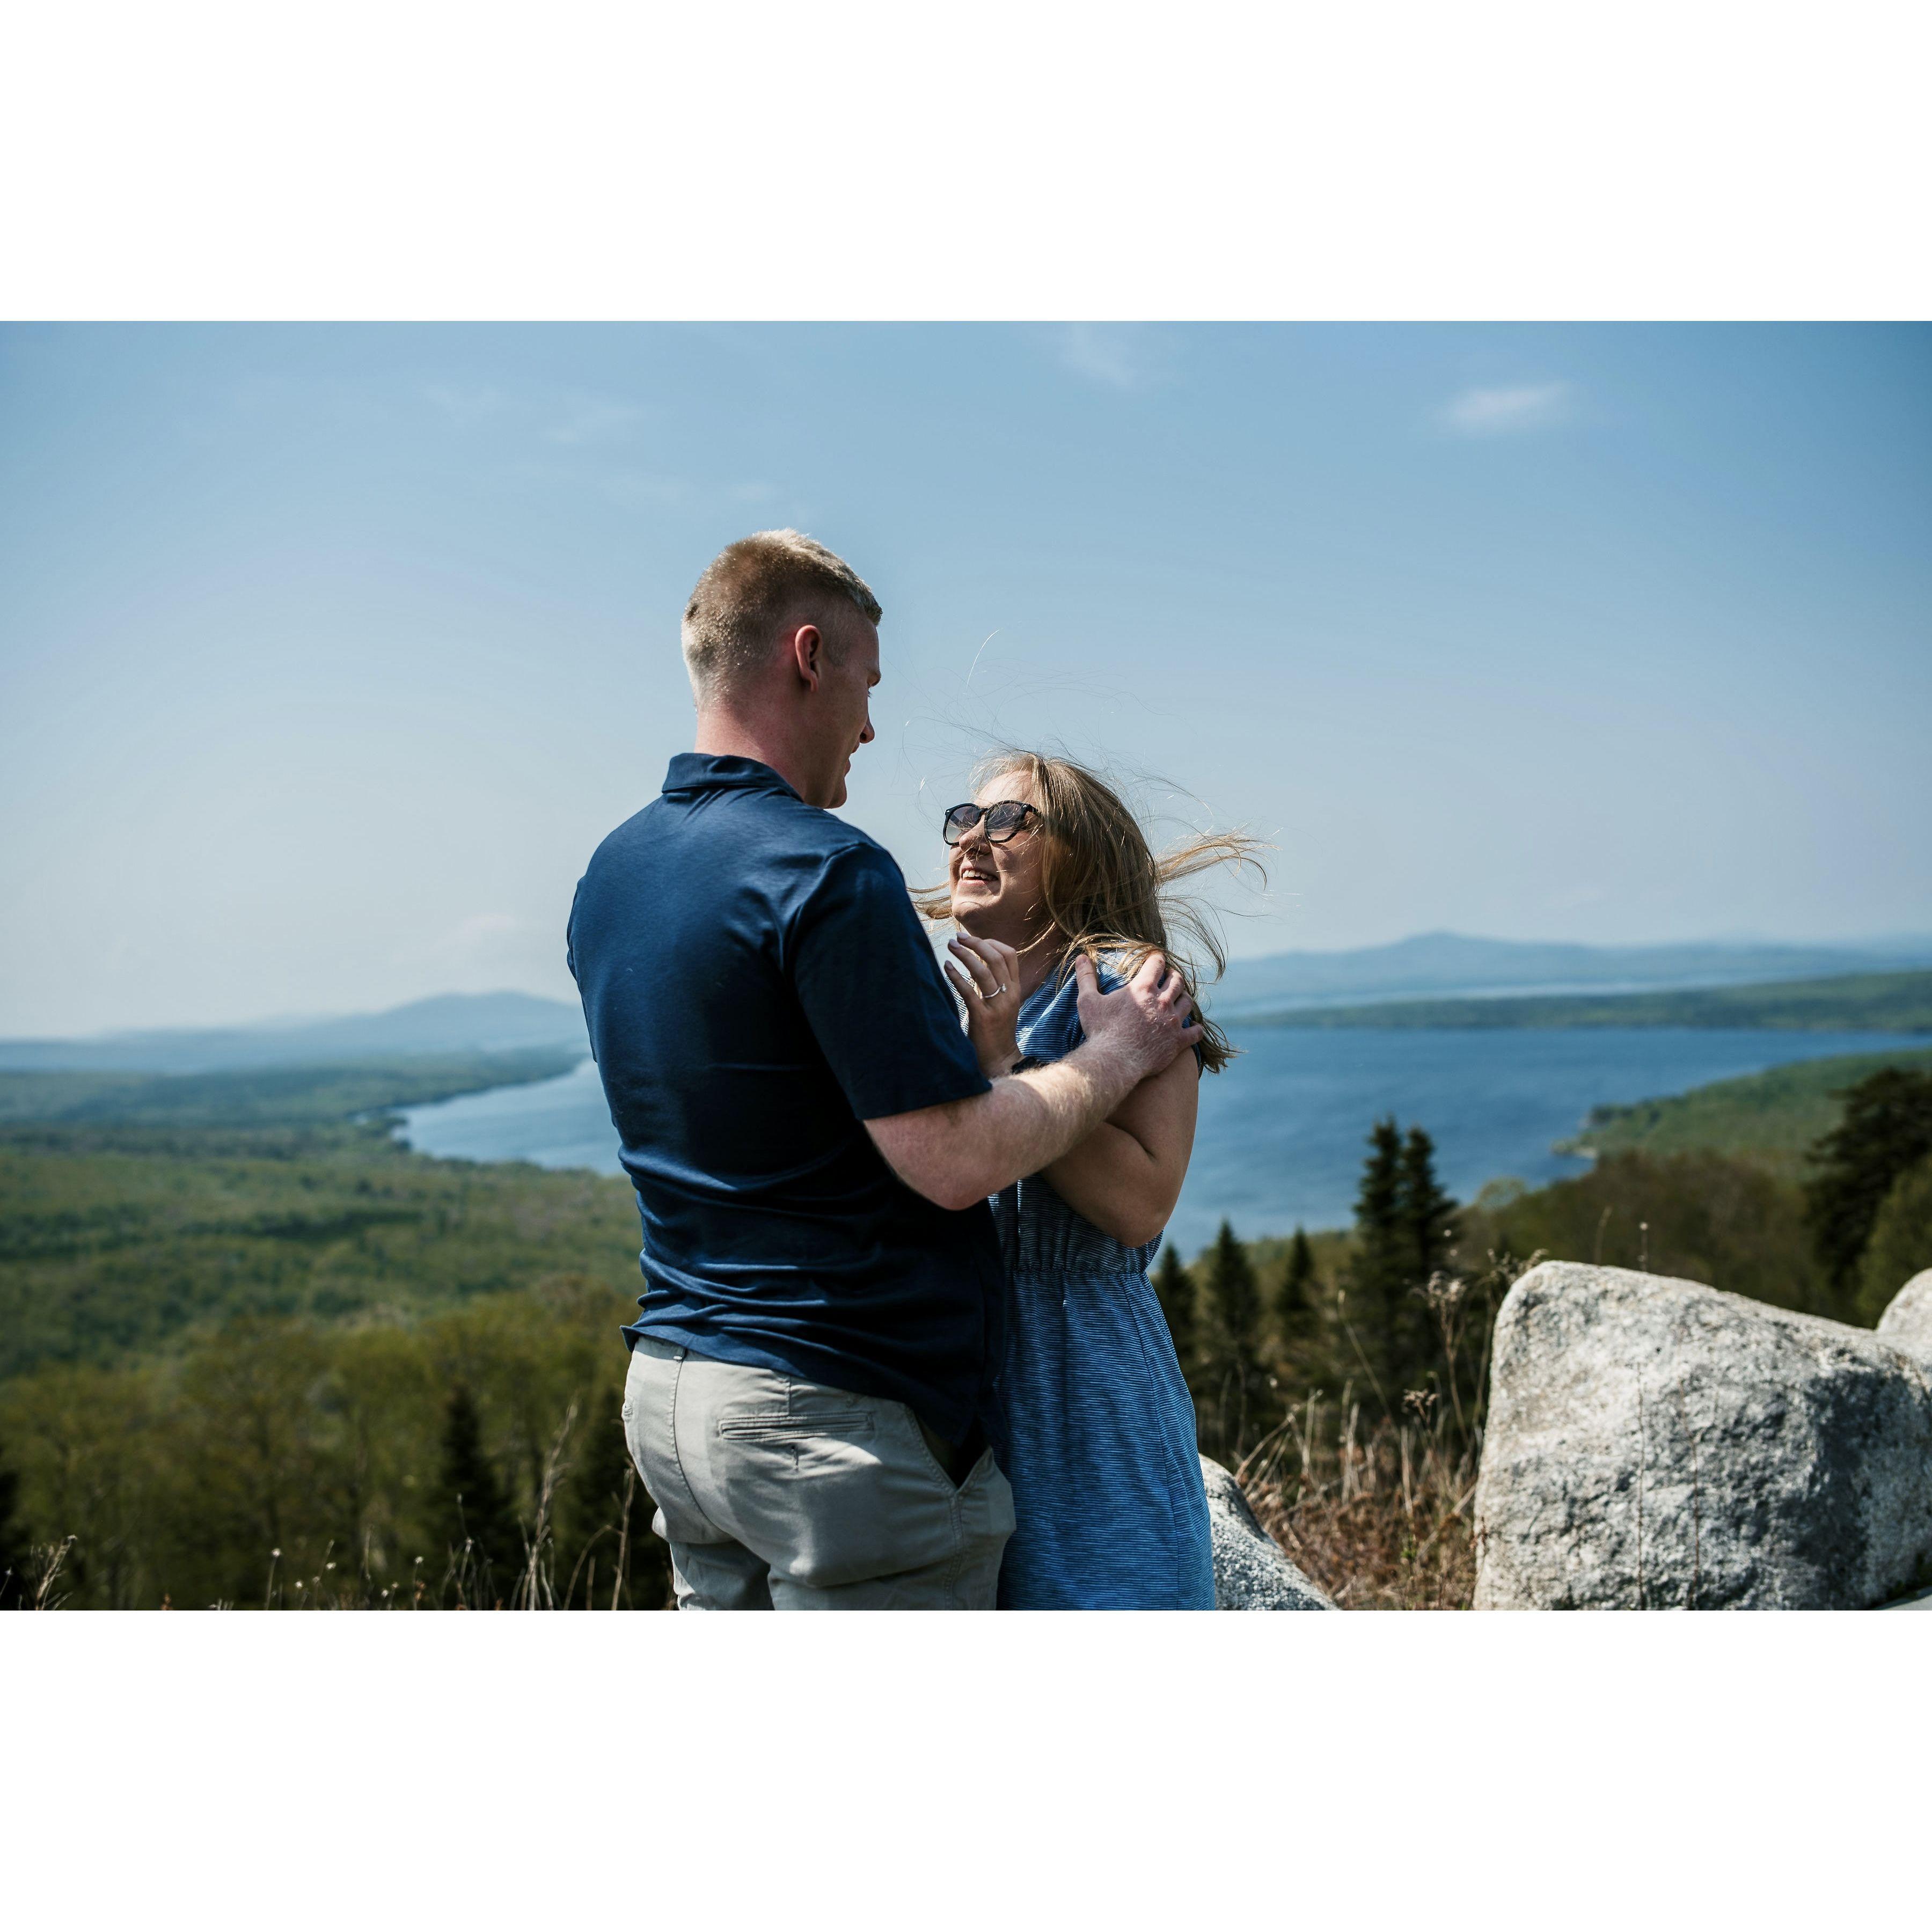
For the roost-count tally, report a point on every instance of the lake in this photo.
(1281, 1133)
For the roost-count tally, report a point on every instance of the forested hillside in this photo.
(1850, 1003)
(287, 1362)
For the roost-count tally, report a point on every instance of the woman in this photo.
(1047, 863)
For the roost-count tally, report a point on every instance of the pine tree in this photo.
(1428, 1215)
(1886, 1129)
(607, 1550)
(15, 1553)
(1175, 1288)
(1237, 1384)
(476, 1509)
(1379, 1272)
(1297, 1304)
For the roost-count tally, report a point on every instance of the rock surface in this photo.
(1251, 1571)
(1907, 1323)
(1655, 1444)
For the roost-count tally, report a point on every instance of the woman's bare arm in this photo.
(1125, 1177)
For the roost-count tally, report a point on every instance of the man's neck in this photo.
(726, 734)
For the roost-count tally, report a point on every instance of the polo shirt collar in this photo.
(700, 771)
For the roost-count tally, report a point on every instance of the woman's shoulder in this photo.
(1050, 1021)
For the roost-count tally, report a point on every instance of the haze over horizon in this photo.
(328, 654)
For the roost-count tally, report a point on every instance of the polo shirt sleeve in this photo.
(873, 994)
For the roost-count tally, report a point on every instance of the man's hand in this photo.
(962, 1150)
(1148, 1023)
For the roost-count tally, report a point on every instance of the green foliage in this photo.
(1698, 1217)
(292, 1461)
(1428, 1214)
(1174, 1287)
(273, 1096)
(130, 1239)
(1404, 1232)
(1295, 1305)
(1900, 1245)
(474, 1510)
(607, 1557)
(1772, 1119)
(1886, 1129)
(233, 1347)
(1851, 1002)
(1232, 1295)
(16, 1553)
(1236, 1386)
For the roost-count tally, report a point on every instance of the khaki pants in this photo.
(775, 1493)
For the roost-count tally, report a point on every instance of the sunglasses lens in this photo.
(960, 820)
(1005, 818)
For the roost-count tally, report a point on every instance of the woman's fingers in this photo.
(968, 990)
(985, 975)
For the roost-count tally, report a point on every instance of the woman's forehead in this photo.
(1006, 784)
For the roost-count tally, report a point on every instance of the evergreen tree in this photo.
(606, 1548)
(1900, 1243)
(1379, 1279)
(476, 1508)
(1887, 1128)
(1238, 1386)
(1296, 1304)
(1428, 1215)
(15, 1553)
(1175, 1287)
(1377, 1200)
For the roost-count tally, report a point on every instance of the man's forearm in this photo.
(957, 1154)
(1056, 1107)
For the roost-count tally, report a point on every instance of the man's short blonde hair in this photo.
(752, 587)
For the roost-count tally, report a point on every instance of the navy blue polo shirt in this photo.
(757, 984)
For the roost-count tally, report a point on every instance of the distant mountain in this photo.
(1439, 963)
(1433, 965)
(451, 1023)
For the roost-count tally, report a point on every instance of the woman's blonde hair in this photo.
(1103, 890)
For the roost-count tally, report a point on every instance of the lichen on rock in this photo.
(1657, 1444)
(1251, 1571)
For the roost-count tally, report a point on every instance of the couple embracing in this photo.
(898, 1348)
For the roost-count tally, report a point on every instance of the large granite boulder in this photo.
(1907, 1323)
(1251, 1571)
(1655, 1443)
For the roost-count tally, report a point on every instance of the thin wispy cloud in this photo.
(1117, 355)
(1508, 411)
(595, 419)
(464, 408)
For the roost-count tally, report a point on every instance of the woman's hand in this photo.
(989, 983)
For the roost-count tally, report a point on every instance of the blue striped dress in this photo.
(1101, 1449)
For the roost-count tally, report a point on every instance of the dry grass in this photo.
(1379, 1517)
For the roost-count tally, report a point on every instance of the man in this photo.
(811, 1400)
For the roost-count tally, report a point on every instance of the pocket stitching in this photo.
(779, 1426)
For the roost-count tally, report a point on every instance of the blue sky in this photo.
(328, 653)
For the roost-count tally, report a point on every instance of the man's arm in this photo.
(961, 1151)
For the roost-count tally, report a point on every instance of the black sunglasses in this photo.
(1002, 819)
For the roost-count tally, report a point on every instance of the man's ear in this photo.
(807, 645)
